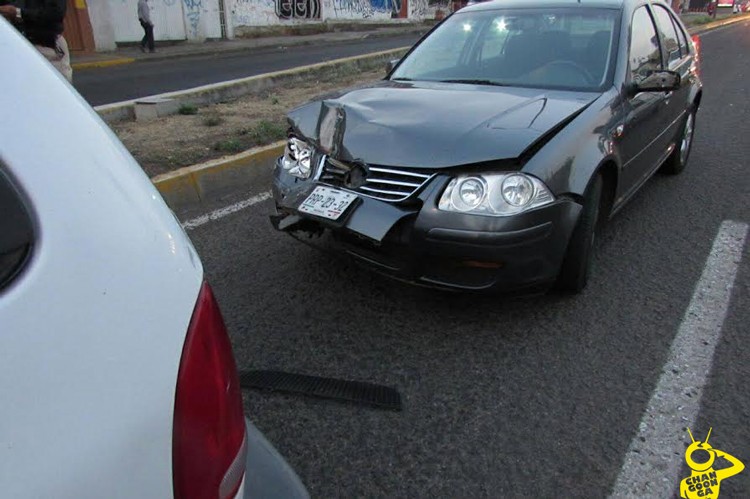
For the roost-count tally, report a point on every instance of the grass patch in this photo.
(265, 132)
(187, 109)
(701, 20)
(229, 145)
(213, 120)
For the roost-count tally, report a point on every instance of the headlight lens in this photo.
(469, 194)
(297, 158)
(498, 195)
(517, 190)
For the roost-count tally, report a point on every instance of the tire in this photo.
(677, 161)
(576, 266)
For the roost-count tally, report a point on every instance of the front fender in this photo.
(567, 163)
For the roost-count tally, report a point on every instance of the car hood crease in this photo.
(435, 125)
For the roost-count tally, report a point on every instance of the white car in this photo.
(116, 373)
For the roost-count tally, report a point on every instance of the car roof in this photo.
(544, 4)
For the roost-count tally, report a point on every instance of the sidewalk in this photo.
(339, 34)
(170, 50)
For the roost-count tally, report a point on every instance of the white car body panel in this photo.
(91, 333)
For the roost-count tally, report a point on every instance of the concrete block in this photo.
(154, 107)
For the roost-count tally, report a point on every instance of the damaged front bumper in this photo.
(414, 241)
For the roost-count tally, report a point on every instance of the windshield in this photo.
(568, 48)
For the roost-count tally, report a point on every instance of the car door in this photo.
(678, 58)
(642, 143)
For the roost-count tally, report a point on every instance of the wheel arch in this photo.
(610, 176)
(697, 99)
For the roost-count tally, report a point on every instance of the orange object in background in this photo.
(78, 31)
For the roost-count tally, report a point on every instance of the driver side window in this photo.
(644, 55)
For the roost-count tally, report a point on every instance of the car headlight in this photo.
(297, 158)
(498, 195)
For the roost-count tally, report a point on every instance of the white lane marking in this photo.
(227, 210)
(656, 454)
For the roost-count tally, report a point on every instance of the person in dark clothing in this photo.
(144, 16)
(41, 22)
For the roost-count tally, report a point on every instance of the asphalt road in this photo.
(502, 398)
(142, 78)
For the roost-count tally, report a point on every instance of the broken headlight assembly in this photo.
(297, 159)
(498, 195)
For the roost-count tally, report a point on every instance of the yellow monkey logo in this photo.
(704, 481)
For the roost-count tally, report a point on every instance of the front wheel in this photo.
(676, 161)
(576, 265)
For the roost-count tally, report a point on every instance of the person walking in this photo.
(711, 9)
(144, 16)
(41, 22)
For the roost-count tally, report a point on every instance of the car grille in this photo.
(384, 183)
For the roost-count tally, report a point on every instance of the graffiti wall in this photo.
(202, 18)
(173, 19)
(419, 9)
(362, 9)
(254, 13)
(275, 12)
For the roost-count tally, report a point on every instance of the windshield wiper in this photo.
(401, 79)
(474, 82)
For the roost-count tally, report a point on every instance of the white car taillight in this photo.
(209, 442)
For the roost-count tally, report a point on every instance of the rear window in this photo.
(668, 32)
(16, 230)
(684, 50)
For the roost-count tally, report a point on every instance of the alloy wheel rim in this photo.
(686, 138)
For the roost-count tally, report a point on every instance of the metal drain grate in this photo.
(338, 389)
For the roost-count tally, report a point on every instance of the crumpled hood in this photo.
(434, 125)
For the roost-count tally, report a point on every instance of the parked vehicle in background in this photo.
(496, 149)
(116, 373)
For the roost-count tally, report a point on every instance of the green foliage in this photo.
(214, 120)
(187, 109)
(229, 145)
(265, 132)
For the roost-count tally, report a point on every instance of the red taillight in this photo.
(697, 58)
(208, 445)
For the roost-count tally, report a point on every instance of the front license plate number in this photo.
(327, 203)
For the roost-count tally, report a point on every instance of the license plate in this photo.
(327, 203)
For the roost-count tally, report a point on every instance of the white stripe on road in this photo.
(227, 210)
(656, 454)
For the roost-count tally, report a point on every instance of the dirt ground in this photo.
(181, 140)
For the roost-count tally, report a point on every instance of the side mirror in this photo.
(658, 81)
(390, 65)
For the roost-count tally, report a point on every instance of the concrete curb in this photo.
(196, 184)
(232, 89)
(193, 185)
(102, 64)
(697, 30)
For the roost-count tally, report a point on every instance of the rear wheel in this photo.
(576, 265)
(676, 161)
